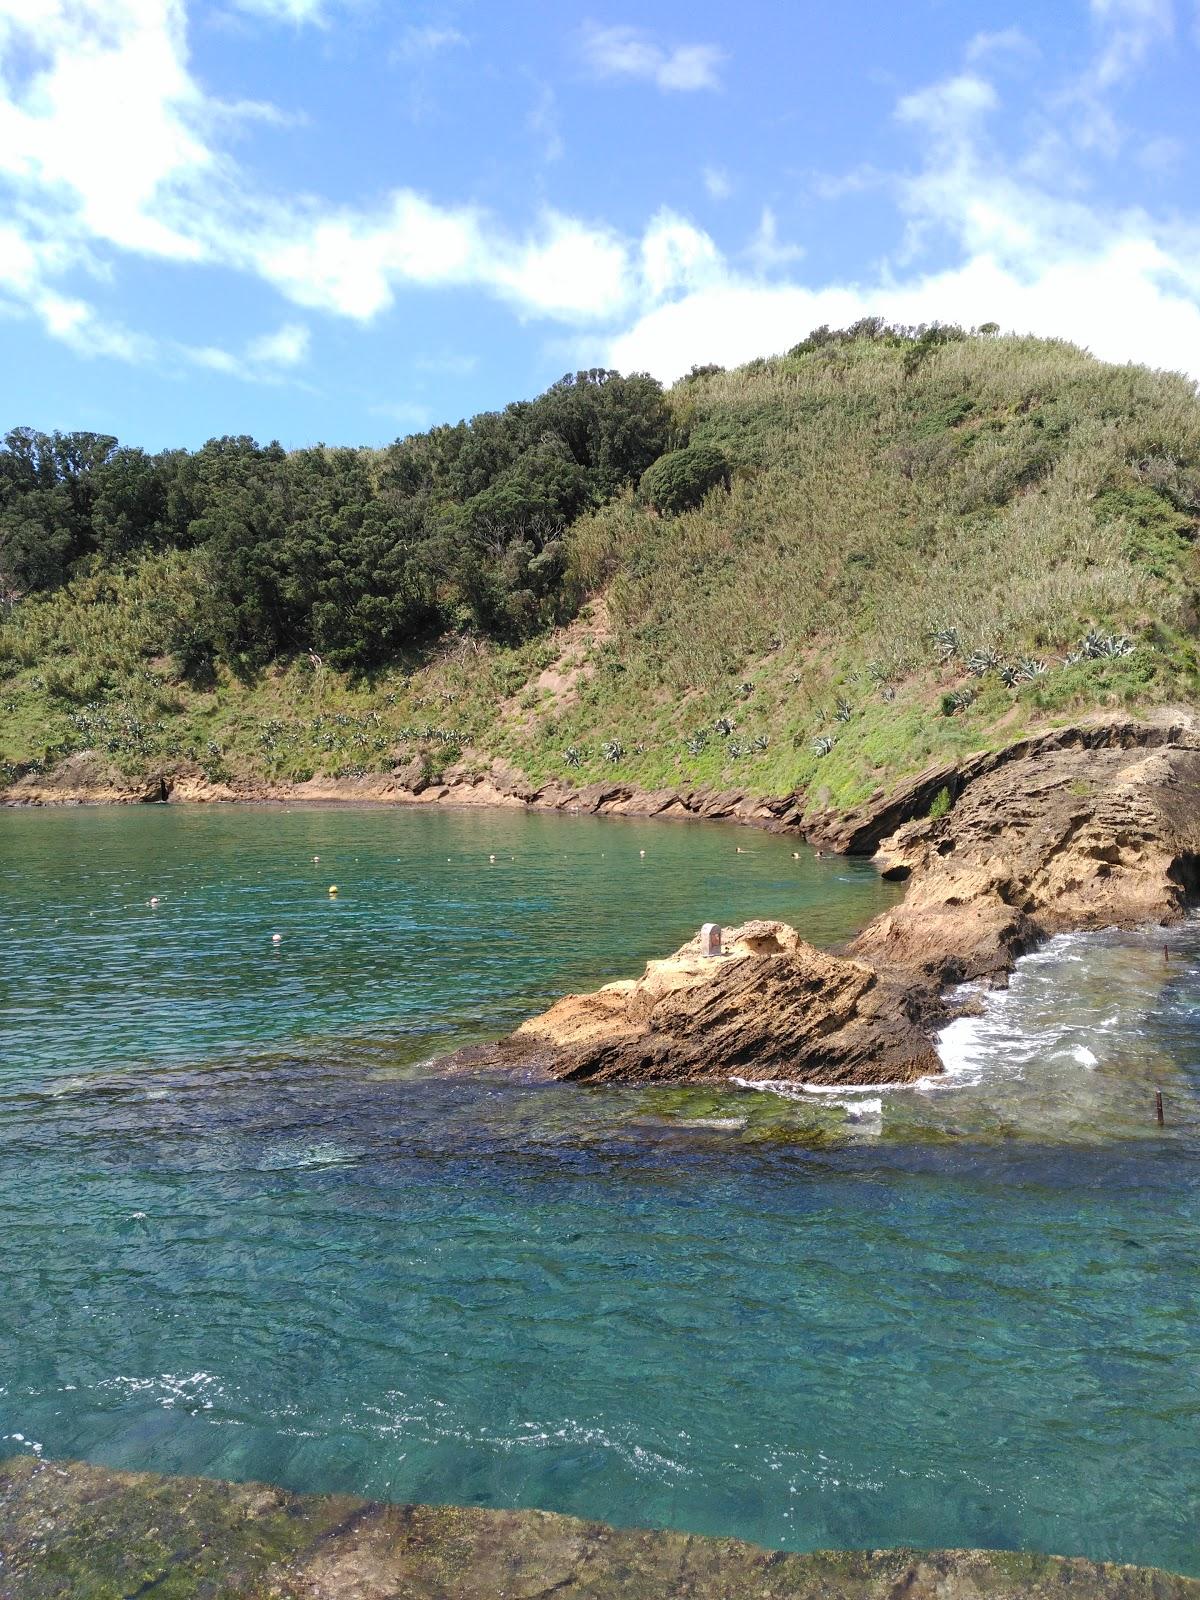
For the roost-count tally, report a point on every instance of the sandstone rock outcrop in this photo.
(770, 1006)
(1054, 838)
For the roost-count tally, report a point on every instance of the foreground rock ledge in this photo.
(67, 1529)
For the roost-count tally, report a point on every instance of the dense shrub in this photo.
(350, 554)
(681, 479)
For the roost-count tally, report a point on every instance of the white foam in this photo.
(722, 1124)
(783, 1087)
(861, 1110)
(862, 1103)
(323, 1153)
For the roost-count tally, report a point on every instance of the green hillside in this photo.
(815, 572)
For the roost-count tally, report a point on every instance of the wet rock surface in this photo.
(68, 1529)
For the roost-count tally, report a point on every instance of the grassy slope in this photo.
(1014, 490)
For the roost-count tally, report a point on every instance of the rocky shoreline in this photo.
(86, 779)
(67, 1528)
(1087, 828)
(1082, 827)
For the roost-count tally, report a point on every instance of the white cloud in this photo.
(765, 251)
(286, 347)
(677, 257)
(419, 43)
(628, 52)
(572, 271)
(1129, 30)
(542, 122)
(264, 359)
(1028, 257)
(112, 78)
(87, 331)
(717, 182)
(949, 110)
(298, 12)
(1004, 42)
(733, 322)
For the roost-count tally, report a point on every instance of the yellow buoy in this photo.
(333, 888)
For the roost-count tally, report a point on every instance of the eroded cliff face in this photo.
(68, 1529)
(1058, 839)
(1084, 828)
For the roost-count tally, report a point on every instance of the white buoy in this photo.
(316, 858)
(491, 858)
(276, 938)
(153, 900)
(641, 852)
(795, 855)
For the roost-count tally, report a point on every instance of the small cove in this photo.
(247, 1234)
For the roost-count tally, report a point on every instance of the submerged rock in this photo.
(68, 1529)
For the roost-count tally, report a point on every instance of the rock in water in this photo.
(773, 1007)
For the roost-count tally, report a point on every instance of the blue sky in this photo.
(343, 220)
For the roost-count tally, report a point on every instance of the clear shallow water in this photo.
(245, 1233)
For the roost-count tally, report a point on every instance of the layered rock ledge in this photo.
(1087, 827)
(94, 1534)
(768, 1006)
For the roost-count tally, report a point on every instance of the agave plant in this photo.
(612, 750)
(736, 750)
(1116, 644)
(947, 642)
(822, 744)
(723, 726)
(745, 690)
(1106, 646)
(981, 661)
(1031, 668)
(695, 742)
(843, 711)
(572, 756)
(957, 700)
(1010, 675)
(760, 741)
(888, 692)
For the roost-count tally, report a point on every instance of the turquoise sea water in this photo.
(247, 1232)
